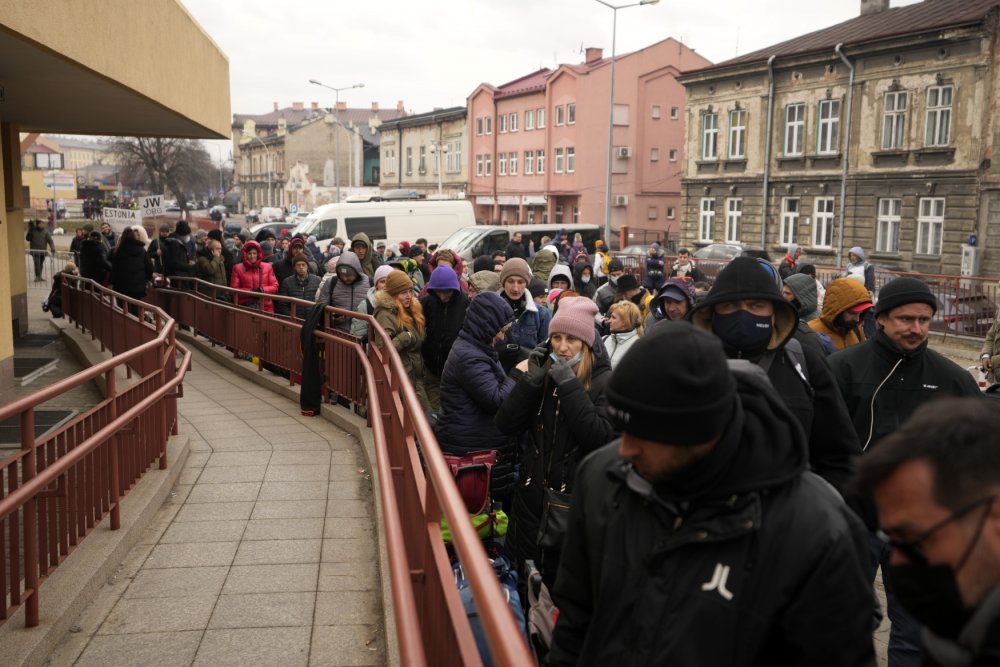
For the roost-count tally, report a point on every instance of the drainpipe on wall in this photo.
(847, 148)
(767, 150)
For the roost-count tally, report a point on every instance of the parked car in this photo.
(963, 312)
(632, 250)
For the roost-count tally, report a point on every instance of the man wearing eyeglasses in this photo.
(935, 482)
(884, 381)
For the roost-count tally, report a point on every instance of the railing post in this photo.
(111, 391)
(30, 520)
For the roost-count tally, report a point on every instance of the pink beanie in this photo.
(381, 273)
(575, 317)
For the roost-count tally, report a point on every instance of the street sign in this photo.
(151, 206)
(294, 209)
(120, 218)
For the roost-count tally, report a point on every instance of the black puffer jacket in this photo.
(444, 321)
(131, 269)
(816, 402)
(744, 560)
(174, 255)
(561, 425)
(474, 386)
(94, 261)
(300, 289)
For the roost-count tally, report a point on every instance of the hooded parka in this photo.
(841, 295)
(254, 277)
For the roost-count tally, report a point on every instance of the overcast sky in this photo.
(433, 53)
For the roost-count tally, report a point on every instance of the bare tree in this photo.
(177, 166)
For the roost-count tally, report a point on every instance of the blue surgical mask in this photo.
(744, 331)
(572, 362)
(584, 279)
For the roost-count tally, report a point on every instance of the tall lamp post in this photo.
(611, 114)
(336, 136)
(249, 137)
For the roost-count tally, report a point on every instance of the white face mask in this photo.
(585, 279)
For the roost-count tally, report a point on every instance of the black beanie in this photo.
(183, 229)
(615, 265)
(673, 386)
(215, 235)
(627, 282)
(537, 288)
(904, 290)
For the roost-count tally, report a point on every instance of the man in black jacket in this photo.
(935, 481)
(700, 537)
(746, 311)
(444, 308)
(884, 381)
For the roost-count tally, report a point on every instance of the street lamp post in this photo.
(268, 151)
(336, 136)
(611, 114)
(438, 149)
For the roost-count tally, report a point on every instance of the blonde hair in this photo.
(630, 312)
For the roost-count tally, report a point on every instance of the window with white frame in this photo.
(651, 213)
(559, 214)
(540, 161)
(422, 165)
(479, 127)
(706, 219)
(795, 129)
(789, 220)
(619, 115)
(675, 113)
(488, 164)
(502, 163)
(672, 155)
(656, 112)
(560, 115)
(502, 123)
(734, 219)
(512, 122)
(654, 154)
(576, 215)
(670, 213)
(887, 232)
(570, 114)
(454, 157)
(930, 226)
(488, 124)
(709, 136)
(540, 119)
(529, 119)
(737, 134)
(938, 131)
(529, 162)
(823, 222)
(409, 160)
(479, 165)
(512, 162)
(894, 119)
(559, 161)
(828, 134)
(570, 160)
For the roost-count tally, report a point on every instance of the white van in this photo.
(472, 242)
(389, 221)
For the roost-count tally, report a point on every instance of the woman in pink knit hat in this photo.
(558, 407)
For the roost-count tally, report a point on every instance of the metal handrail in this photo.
(394, 410)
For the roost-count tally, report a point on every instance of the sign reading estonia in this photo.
(120, 218)
(151, 206)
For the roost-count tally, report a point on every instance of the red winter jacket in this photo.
(256, 276)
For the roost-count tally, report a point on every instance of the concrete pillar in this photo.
(14, 293)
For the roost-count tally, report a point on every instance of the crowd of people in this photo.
(681, 461)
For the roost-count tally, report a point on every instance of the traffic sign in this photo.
(294, 209)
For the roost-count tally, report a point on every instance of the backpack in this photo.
(472, 477)
(507, 576)
(796, 356)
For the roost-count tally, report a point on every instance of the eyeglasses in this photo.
(912, 548)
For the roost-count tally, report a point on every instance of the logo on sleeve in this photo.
(718, 581)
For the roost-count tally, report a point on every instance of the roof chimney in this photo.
(341, 106)
(374, 107)
(596, 54)
(399, 107)
(275, 106)
(873, 6)
(314, 106)
(297, 106)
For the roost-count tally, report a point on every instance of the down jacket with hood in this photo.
(585, 289)
(746, 559)
(843, 293)
(255, 277)
(804, 288)
(372, 260)
(560, 271)
(337, 293)
(458, 267)
(811, 395)
(543, 261)
(474, 386)
(444, 318)
(561, 424)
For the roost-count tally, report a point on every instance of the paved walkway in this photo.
(263, 555)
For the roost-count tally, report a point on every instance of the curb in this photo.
(344, 420)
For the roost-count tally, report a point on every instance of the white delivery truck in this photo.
(389, 221)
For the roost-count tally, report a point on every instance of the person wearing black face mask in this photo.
(746, 310)
(936, 484)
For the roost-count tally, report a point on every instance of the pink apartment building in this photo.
(538, 145)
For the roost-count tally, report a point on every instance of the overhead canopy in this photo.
(130, 68)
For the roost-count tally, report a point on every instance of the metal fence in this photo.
(48, 264)
(58, 487)
(415, 484)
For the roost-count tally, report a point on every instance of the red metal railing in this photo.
(415, 487)
(56, 489)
